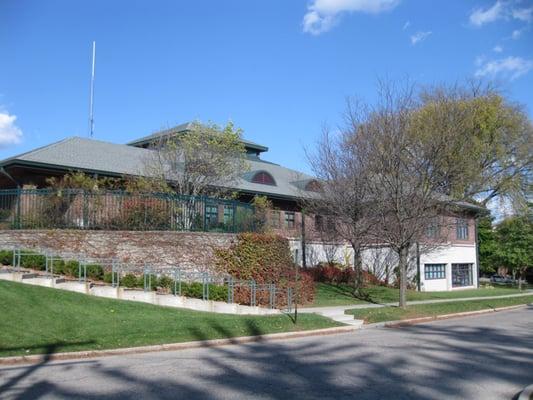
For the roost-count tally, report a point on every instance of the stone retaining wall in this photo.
(186, 249)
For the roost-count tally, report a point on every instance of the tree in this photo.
(340, 164)
(488, 246)
(206, 160)
(487, 153)
(405, 197)
(515, 249)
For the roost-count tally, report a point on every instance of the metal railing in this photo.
(119, 210)
(239, 291)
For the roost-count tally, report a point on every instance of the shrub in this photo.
(336, 274)
(33, 260)
(6, 257)
(166, 282)
(129, 281)
(71, 268)
(218, 292)
(96, 272)
(58, 266)
(108, 277)
(193, 289)
(265, 258)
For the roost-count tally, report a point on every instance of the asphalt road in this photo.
(483, 357)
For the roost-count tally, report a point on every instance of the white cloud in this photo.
(419, 37)
(322, 15)
(483, 16)
(9, 132)
(406, 25)
(501, 10)
(510, 67)
(523, 14)
(516, 34)
(497, 49)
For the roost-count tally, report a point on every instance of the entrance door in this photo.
(461, 275)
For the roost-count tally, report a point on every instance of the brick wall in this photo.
(190, 250)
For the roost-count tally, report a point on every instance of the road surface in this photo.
(482, 357)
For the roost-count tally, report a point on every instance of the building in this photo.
(450, 267)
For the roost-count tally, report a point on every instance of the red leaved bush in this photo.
(265, 258)
(334, 273)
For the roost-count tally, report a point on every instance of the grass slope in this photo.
(336, 295)
(36, 320)
(381, 314)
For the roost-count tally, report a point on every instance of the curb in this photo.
(527, 393)
(413, 321)
(42, 358)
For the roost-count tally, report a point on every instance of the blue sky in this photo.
(279, 69)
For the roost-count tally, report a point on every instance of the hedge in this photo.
(265, 258)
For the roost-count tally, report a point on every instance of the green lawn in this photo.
(35, 320)
(381, 314)
(336, 295)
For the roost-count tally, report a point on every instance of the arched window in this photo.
(264, 178)
(313, 186)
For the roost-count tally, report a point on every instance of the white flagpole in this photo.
(91, 105)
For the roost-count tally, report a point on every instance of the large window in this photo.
(462, 228)
(211, 215)
(434, 271)
(228, 214)
(433, 229)
(289, 219)
(461, 275)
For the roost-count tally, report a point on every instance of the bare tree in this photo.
(404, 188)
(340, 165)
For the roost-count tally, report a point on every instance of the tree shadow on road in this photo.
(458, 359)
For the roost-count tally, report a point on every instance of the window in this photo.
(462, 228)
(433, 229)
(264, 178)
(289, 219)
(313, 186)
(211, 215)
(434, 271)
(275, 219)
(461, 275)
(228, 214)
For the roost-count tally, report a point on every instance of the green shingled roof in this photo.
(77, 153)
(183, 128)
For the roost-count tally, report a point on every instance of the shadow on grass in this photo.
(455, 359)
(348, 292)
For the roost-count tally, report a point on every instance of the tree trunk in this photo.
(522, 273)
(402, 264)
(357, 269)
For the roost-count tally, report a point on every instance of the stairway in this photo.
(340, 316)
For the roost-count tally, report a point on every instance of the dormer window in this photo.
(313, 186)
(263, 178)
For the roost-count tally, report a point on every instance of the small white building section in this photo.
(452, 267)
(449, 267)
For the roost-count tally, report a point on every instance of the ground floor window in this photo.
(462, 275)
(211, 215)
(434, 271)
(228, 214)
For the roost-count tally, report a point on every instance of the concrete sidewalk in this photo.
(341, 309)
